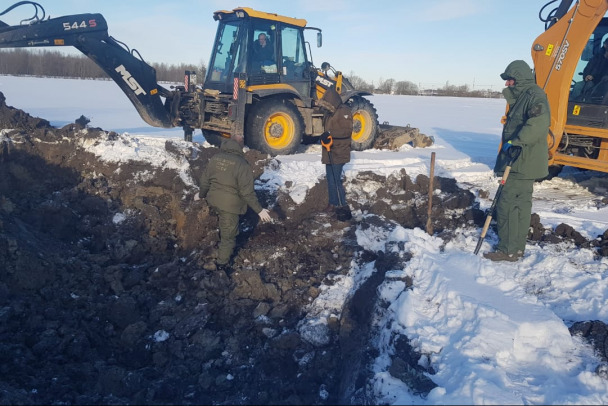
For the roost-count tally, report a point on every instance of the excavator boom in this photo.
(89, 34)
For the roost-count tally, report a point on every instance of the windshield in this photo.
(226, 51)
(590, 81)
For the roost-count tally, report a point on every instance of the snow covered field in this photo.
(495, 333)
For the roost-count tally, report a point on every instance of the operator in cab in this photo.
(596, 71)
(263, 54)
(594, 86)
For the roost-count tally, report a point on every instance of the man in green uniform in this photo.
(227, 184)
(526, 126)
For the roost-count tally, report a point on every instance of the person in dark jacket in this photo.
(263, 53)
(595, 77)
(597, 67)
(526, 127)
(227, 184)
(338, 123)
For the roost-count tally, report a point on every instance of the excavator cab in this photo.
(261, 74)
(593, 62)
(265, 49)
(587, 102)
(564, 55)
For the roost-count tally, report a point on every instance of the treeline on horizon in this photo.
(391, 86)
(25, 62)
(52, 63)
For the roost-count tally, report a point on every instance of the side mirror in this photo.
(319, 40)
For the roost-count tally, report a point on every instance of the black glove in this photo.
(325, 138)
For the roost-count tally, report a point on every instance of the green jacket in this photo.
(227, 181)
(527, 125)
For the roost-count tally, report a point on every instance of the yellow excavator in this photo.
(574, 33)
(271, 99)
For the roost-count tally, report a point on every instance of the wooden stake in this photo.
(429, 223)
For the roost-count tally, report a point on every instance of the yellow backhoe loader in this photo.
(269, 94)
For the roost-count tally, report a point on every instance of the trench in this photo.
(358, 332)
(354, 339)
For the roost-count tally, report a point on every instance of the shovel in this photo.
(342, 212)
(513, 155)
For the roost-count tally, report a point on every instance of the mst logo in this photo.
(323, 81)
(562, 55)
(130, 80)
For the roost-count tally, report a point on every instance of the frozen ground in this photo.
(483, 332)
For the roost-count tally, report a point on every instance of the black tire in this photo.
(274, 126)
(554, 170)
(365, 123)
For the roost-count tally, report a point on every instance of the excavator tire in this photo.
(213, 137)
(274, 126)
(365, 123)
(554, 170)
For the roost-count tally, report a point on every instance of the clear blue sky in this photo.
(428, 42)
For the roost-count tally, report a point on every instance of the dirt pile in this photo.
(104, 300)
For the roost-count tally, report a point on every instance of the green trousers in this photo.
(513, 213)
(229, 229)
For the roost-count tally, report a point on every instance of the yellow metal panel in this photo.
(590, 131)
(300, 22)
(580, 162)
(278, 86)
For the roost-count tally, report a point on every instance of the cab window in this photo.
(263, 55)
(225, 53)
(293, 55)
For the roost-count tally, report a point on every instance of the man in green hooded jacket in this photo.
(526, 126)
(227, 184)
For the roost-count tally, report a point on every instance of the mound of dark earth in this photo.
(104, 298)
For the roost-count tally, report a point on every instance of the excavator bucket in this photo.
(394, 137)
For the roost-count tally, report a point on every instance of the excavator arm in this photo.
(89, 34)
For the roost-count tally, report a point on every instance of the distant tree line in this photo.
(57, 64)
(404, 87)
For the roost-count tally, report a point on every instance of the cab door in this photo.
(294, 66)
(225, 57)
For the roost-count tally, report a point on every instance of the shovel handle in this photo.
(328, 145)
(503, 180)
(483, 232)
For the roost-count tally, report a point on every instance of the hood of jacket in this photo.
(231, 146)
(523, 75)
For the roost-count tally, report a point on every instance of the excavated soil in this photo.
(104, 298)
